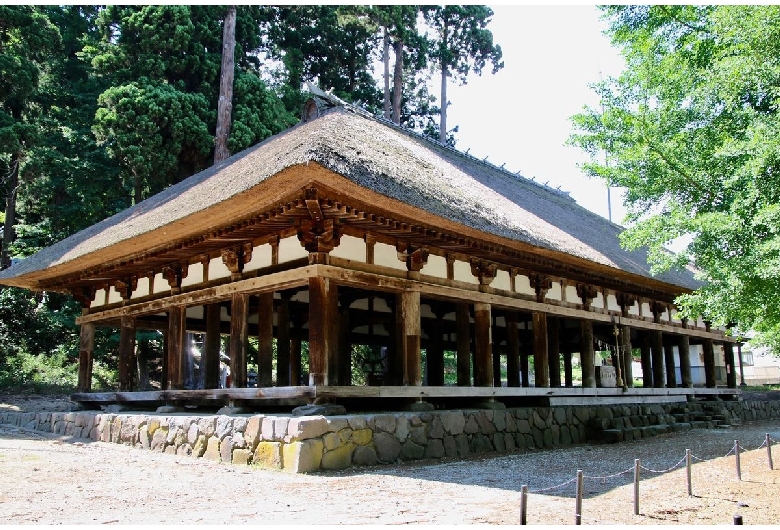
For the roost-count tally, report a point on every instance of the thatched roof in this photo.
(374, 155)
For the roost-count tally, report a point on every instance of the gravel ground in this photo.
(47, 479)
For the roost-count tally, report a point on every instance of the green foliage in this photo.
(691, 129)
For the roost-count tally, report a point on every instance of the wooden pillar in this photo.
(463, 323)
(587, 354)
(657, 356)
(126, 353)
(526, 349)
(496, 361)
(709, 363)
(568, 380)
(512, 351)
(435, 350)
(239, 341)
(86, 354)
(176, 347)
(265, 338)
(731, 371)
(741, 368)
(541, 358)
(164, 381)
(483, 338)
(283, 341)
(142, 349)
(671, 376)
(323, 340)
(345, 342)
(554, 351)
(647, 360)
(211, 346)
(295, 361)
(408, 315)
(628, 357)
(684, 349)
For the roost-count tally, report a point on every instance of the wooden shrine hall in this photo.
(348, 230)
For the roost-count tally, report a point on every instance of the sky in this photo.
(520, 116)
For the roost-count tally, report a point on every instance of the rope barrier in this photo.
(732, 450)
(664, 470)
(604, 479)
(553, 487)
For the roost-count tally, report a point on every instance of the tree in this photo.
(692, 130)
(462, 44)
(225, 105)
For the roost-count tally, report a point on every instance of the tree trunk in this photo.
(9, 230)
(225, 104)
(443, 111)
(386, 61)
(398, 78)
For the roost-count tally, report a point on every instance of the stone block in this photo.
(242, 456)
(184, 450)
(345, 435)
(509, 442)
(387, 447)
(208, 425)
(144, 438)
(462, 442)
(357, 423)
(486, 426)
(612, 435)
(192, 433)
(480, 444)
(435, 449)
(523, 426)
(306, 427)
(453, 421)
(411, 451)
(521, 414)
(364, 456)
(199, 447)
(385, 422)
(212, 450)
(402, 428)
(340, 458)
(559, 416)
(418, 434)
(324, 409)
(226, 449)
(268, 455)
(159, 440)
(331, 441)
(436, 428)
(538, 421)
(362, 436)
(498, 442)
(238, 440)
(450, 447)
(303, 456)
(511, 423)
(224, 426)
(337, 424)
(471, 426)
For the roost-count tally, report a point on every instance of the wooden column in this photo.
(709, 363)
(554, 351)
(683, 347)
(295, 361)
(628, 372)
(483, 338)
(512, 351)
(176, 347)
(265, 339)
(126, 353)
(86, 353)
(408, 304)
(657, 355)
(323, 339)
(671, 375)
(526, 349)
(239, 341)
(567, 375)
(731, 371)
(435, 350)
(587, 354)
(283, 341)
(345, 342)
(647, 360)
(541, 359)
(165, 382)
(211, 346)
(463, 324)
(741, 367)
(142, 349)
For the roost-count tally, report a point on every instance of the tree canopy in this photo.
(691, 129)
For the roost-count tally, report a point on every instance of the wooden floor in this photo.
(391, 397)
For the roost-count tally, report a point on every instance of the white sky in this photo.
(520, 116)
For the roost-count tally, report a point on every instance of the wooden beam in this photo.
(86, 353)
(541, 359)
(176, 346)
(211, 346)
(463, 344)
(265, 339)
(587, 354)
(239, 339)
(409, 325)
(483, 340)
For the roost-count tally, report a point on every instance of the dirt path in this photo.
(47, 479)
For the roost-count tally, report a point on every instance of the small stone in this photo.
(421, 406)
(168, 409)
(319, 410)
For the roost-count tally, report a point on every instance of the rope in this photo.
(699, 459)
(553, 487)
(665, 470)
(604, 479)
(732, 450)
(760, 446)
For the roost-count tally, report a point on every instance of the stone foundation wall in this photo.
(312, 443)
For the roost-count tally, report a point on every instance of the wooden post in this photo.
(239, 341)
(671, 376)
(512, 351)
(282, 341)
(578, 502)
(554, 351)
(731, 371)
(211, 347)
(463, 324)
(736, 454)
(345, 341)
(523, 504)
(409, 325)
(647, 360)
(541, 360)
(483, 338)
(688, 471)
(769, 451)
(636, 486)
(265, 339)
(176, 347)
(657, 353)
(709, 363)
(587, 354)
(567, 375)
(526, 349)
(86, 353)
(295, 361)
(683, 347)
(435, 350)
(126, 353)
(737, 520)
(741, 368)
(496, 365)
(164, 379)
(628, 357)
(323, 307)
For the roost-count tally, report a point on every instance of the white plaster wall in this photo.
(142, 289)
(113, 296)
(387, 256)
(502, 281)
(217, 269)
(436, 266)
(571, 295)
(261, 257)
(523, 285)
(195, 312)
(350, 248)
(554, 292)
(646, 310)
(665, 316)
(194, 275)
(100, 298)
(291, 249)
(598, 301)
(462, 273)
(634, 309)
(612, 304)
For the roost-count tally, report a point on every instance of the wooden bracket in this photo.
(126, 287)
(484, 271)
(625, 301)
(319, 236)
(175, 274)
(587, 293)
(415, 259)
(541, 285)
(235, 258)
(84, 295)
